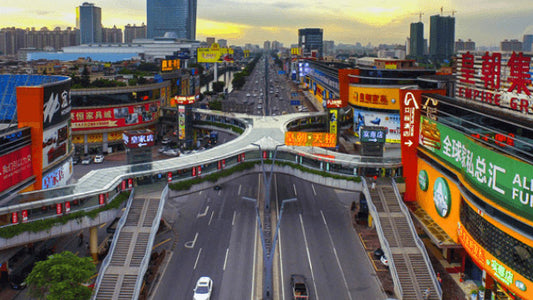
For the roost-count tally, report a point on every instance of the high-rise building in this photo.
(223, 43)
(461, 45)
(11, 39)
(89, 21)
(416, 40)
(527, 42)
(311, 41)
(266, 45)
(177, 17)
(511, 45)
(112, 35)
(329, 48)
(441, 37)
(132, 32)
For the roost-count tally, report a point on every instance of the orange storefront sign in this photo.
(310, 139)
(383, 98)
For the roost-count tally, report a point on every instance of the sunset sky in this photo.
(487, 22)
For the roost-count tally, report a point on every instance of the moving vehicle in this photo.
(87, 160)
(76, 160)
(98, 159)
(299, 287)
(203, 289)
(172, 152)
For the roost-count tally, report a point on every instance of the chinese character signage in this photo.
(214, 54)
(496, 79)
(388, 120)
(333, 116)
(375, 134)
(15, 167)
(503, 179)
(310, 139)
(333, 103)
(138, 138)
(114, 116)
(383, 98)
(182, 100)
(168, 65)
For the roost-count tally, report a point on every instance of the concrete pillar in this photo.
(93, 242)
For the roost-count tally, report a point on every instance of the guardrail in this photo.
(384, 243)
(418, 241)
(107, 259)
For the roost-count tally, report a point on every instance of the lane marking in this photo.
(204, 213)
(336, 256)
(239, 193)
(197, 258)
(225, 259)
(233, 220)
(210, 219)
(294, 187)
(161, 243)
(190, 244)
(308, 256)
(313, 186)
(102, 226)
(163, 272)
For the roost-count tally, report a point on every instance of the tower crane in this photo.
(420, 14)
(442, 11)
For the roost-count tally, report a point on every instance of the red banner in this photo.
(15, 167)
(14, 218)
(123, 187)
(24, 216)
(67, 207)
(101, 199)
(114, 116)
(59, 209)
(169, 176)
(130, 183)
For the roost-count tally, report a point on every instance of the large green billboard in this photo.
(505, 180)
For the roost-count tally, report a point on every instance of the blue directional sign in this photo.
(281, 72)
(295, 102)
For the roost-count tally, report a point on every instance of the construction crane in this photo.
(442, 11)
(420, 14)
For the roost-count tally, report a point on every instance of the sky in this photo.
(486, 22)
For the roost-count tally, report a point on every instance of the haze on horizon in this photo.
(486, 22)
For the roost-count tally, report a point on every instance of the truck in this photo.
(299, 287)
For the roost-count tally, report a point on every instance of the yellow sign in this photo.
(384, 98)
(296, 51)
(214, 54)
(310, 139)
(246, 53)
(170, 65)
(333, 115)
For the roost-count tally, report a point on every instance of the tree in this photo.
(218, 86)
(61, 276)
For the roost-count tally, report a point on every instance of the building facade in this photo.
(14, 39)
(112, 35)
(461, 45)
(89, 21)
(310, 40)
(416, 40)
(441, 37)
(132, 32)
(177, 17)
(527, 42)
(511, 45)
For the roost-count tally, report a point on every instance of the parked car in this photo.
(166, 141)
(87, 160)
(203, 289)
(98, 159)
(172, 152)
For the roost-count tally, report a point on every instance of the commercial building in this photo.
(511, 45)
(416, 40)
(310, 40)
(441, 37)
(461, 45)
(527, 42)
(89, 21)
(132, 32)
(176, 17)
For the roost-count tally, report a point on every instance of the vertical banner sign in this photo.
(193, 171)
(24, 216)
(242, 157)
(59, 208)
(219, 166)
(333, 115)
(123, 184)
(130, 183)
(223, 163)
(101, 199)
(181, 122)
(14, 218)
(67, 207)
(169, 176)
(199, 170)
(264, 155)
(239, 158)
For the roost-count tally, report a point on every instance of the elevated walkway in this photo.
(410, 266)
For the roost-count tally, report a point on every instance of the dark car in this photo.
(217, 187)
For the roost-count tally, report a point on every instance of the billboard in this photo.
(310, 139)
(183, 100)
(15, 167)
(333, 117)
(55, 143)
(138, 138)
(114, 116)
(168, 65)
(214, 54)
(181, 122)
(496, 79)
(375, 118)
(56, 105)
(382, 98)
(503, 179)
(58, 176)
(376, 134)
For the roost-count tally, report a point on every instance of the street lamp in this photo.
(268, 181)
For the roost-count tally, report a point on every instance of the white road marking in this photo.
(225, 259)
(190, 244)
(239, 193)
(233, 220)
(336, 256)
(294, 186)
(253, 263)
(204, 213)
(210, 219)
(197, 258)
(313, 186)
(308, 256)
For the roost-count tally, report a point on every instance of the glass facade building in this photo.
(310, 39)
(89, 21)
(175, 17)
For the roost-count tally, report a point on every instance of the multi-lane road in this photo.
(218, 236)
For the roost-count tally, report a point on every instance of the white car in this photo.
(87, 160)
(98, 159)
(172, 152)
(203, 289)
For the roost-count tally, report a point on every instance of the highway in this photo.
(217, 236)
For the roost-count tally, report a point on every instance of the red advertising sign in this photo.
(223, 163)
(24, 214)
(67, 207)
(169, 176)
(138, 138)
(59, 208)
(193, 172)
(14, 218)
(182, 100)
(114, 116)
(310, 139)
(333, 103)
(123, 187)
(130, 183)
(15, 167)
(101, 199)
(265, 155)
(199, 170)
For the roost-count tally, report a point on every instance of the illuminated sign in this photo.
(390, 121)
(496, 79)
(182, 100)
(296, 51)
(181, 122)
(15, 167)
(442, 197)
(383, 98)
(214, 54)
(138, 138)
(168, 65)
(114, 116)
(310, 139)
(55, 143)
(59, 176)
(333, 103)
(333, 117)
(373, 134)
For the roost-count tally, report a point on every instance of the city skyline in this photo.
(487, 22)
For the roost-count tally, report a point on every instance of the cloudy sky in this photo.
(487, 22)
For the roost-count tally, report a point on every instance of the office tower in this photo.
(512, 45)
(311, 41)
(266, 45)
(177, 17)
(132, 32)
(527, 42)
(441, 37)
(329, 48)
(89, 21)
(416, 40)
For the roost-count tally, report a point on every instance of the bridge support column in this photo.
(93, 242)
